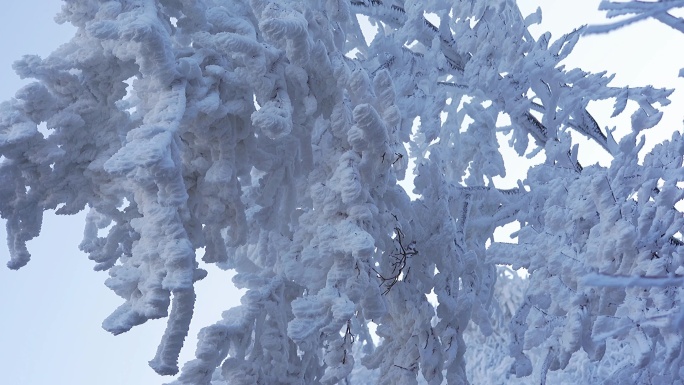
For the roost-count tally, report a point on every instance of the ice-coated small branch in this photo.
(604, 280)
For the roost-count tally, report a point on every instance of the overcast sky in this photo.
(52, 309)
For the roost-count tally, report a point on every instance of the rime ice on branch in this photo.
(269, 133)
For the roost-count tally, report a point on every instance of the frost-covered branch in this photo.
(627, 280)
(637, 11)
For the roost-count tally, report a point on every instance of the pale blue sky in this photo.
(52, 309)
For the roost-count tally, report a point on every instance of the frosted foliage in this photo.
(269, 133)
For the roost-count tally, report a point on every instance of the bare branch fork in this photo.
(400, 256)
